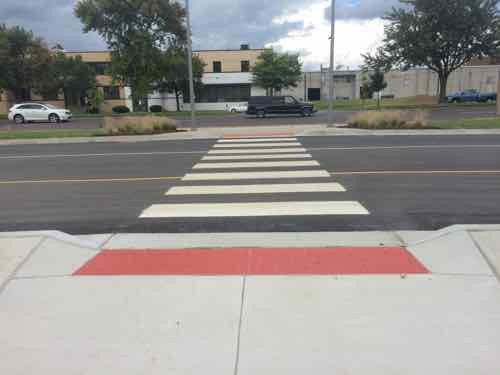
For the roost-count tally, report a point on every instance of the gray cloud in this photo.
(51, 19)
(361, 9)
(216, 23)
(226, 23)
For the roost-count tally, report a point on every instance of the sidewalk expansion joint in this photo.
(240, 323)
(494, 269)
(21, 264)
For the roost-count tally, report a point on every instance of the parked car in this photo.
(237, 108)
(28, 112)
(489, 97)
(261, 106)
(471, 96)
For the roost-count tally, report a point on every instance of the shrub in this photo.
(389, 120)
(121, 109)
(93, 110)
(156, 108)
(136, 125)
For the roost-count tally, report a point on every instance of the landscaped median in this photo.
(415, 120)
(110, 126)
(413, 102)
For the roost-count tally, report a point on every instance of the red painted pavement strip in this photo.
(254, 261)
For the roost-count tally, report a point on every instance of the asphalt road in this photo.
(405, 182)
(243, 120)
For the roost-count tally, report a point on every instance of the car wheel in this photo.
(306, 112)
(19, 119)
(233, 110)
(455, 100)
(261, 113)
(54, 118)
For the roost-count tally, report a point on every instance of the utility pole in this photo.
(192, 95)
(331, 71)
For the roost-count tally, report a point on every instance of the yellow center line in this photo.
(412, 172)
(88, 180)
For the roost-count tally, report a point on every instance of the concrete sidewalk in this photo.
(321, 303)
(253, 131)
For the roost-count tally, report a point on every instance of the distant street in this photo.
(390, 183)
(242, 120)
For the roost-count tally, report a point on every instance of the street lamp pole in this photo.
(331, 69)
(192, 95)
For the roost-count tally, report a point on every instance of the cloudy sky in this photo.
(289, 25)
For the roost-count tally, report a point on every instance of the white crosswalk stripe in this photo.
(250, 140)
(255, 175)
(239, 154)
(257, 151)
(254, 209)
(258, 164)
(257, 189)
(258, 157)
(250, 145)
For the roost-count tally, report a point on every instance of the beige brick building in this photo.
(227, 81)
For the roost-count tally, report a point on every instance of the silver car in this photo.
(27, 112)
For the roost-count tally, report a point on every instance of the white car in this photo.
(24, 112)
(238, 108)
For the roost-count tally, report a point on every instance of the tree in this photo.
(277, 71)
(95, 99)
(136, 31)
(365, 90)
(24, 60)
(174, 73)
(377, 84)
(70, 75)
(441, 35)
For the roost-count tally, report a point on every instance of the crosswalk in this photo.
(250, 167)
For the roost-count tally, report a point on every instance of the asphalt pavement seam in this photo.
(409, 147)
(100, 154)
(354, 148)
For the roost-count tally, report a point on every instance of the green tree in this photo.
(136, 31)
(174, 73)
(24, 60)
(365, 90)
(69, 75)
(377, 84)
(441, 35)
(277, 71)
(95, 98)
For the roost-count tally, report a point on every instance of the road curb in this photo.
(55, 235)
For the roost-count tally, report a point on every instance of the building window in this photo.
(100, 68)
(245, 66)
(111, 92)
(223, 93)
(313, 94)
(217, 67)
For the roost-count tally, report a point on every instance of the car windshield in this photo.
(51, 106)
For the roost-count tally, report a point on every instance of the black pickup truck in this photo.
(261, 106)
